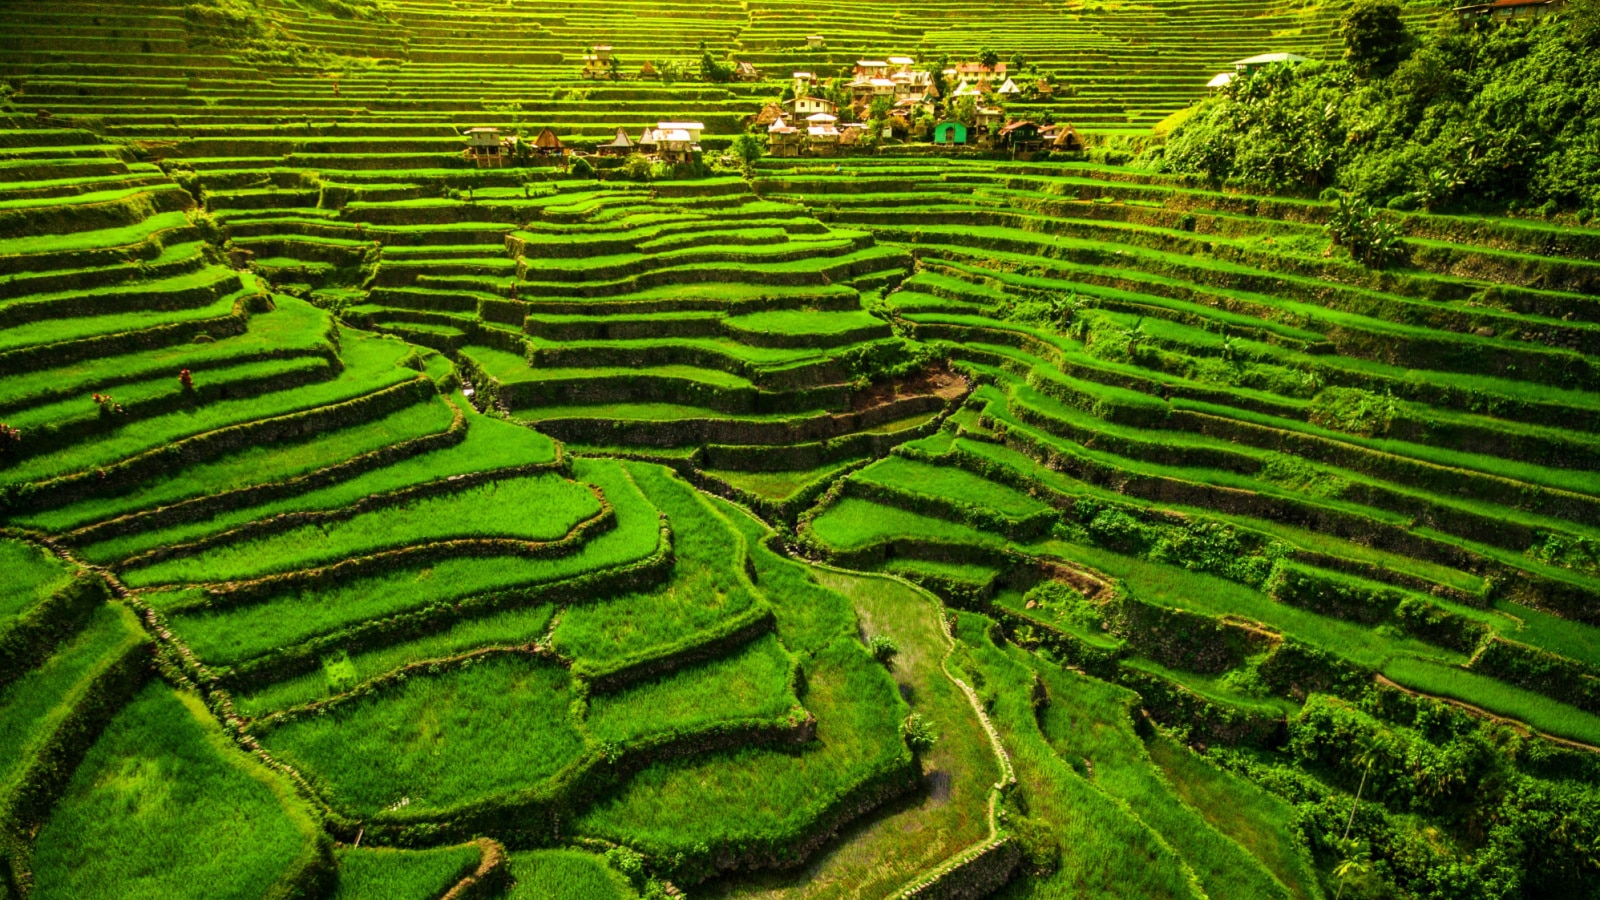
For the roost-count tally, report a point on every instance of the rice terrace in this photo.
(641, 449)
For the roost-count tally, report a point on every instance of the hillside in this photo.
(900, 520)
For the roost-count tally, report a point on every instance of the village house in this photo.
(1021, 136)
(801, 107)
(621, 145)
(989, 119)
(784, 140)
(1250, 64)
(487, 148)
(1063, 138)
(951, 133)
(597, 63)
(547, 144)
(672, 142)
(822, 134)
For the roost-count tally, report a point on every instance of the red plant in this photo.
(187, 380)
(107, 405)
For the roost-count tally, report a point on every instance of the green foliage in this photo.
(748, 148)
(636, 167)
(918, 733)
(883, 649)
(1374, 240)
(581, 168)
(1354, 411)
(1476, 117)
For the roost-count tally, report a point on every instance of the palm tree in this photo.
(1134, 335)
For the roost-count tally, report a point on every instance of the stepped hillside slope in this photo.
(909, 523)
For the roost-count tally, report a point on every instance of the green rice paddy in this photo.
(908, 522)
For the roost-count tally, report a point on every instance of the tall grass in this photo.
(536, 508)
(1085, 842)
(511, 627)
(1090, 725)
(490, 444)
(1261, 823)
(165, 806)
(33, 706)
(950, 483)
(754, 684)
(370, 365)
(705, 587)
(435, 741)
(27, 575)
(385, 873)
(542, 874)
(231, 635)
(1543, 713)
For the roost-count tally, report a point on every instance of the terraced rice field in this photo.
(901, 525)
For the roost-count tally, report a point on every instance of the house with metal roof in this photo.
(1252, 63)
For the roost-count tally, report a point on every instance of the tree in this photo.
(1376, 41)
(710, 69)
(1016, 62)
(636, 167)
(965, 111)
(989, 59)
(614, 68)
(748, 148)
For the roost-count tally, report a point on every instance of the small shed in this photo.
(814, 41)
(1010, 87)
(1067, 139)
(621, 145)
(743, 71)
(486, 148)
(547, 144)
(950, 133)
(647, 70)
(1220, 81)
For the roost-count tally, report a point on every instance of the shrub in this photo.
(636, 167)
(918, 733)
(883, 649)
(1372, 239)
(581, 168)
(1354, 411)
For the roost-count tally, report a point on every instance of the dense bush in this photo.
(1478, 115)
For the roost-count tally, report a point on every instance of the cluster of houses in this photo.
(809, 125)
(670, 142)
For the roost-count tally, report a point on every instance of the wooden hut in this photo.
(547, 144)
(621, 145)
(486, 149)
